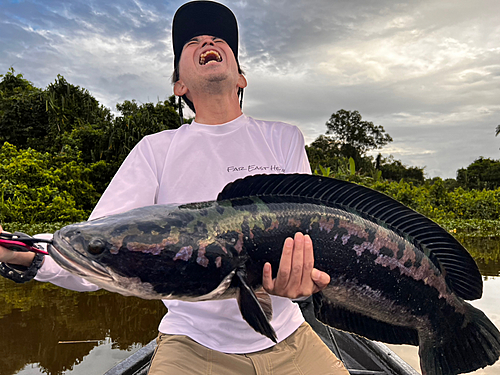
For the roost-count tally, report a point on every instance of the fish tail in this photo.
(475, 346)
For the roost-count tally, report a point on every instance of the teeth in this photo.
(211, 56)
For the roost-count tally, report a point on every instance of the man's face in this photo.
(207, 62)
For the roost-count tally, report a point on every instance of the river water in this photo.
(48, 330)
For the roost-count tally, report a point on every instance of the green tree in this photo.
(63, 138)
(66, 120)
(75, 118)
(395, 170)
(347, 136)
(135, 122)
(355, 135)
(23, 118)
(38, 187)
(438, 193)
(107, 146)
(483, 173)
(325, 151)
(48, 120)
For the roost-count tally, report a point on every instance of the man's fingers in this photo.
(296, 273)
(283, 276)
(267, 277)
(308, 260)
(321, 280)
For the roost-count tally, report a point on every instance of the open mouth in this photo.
(210, 57)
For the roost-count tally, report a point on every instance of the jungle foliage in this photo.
(59, 148)
(349, 137)
(483, 173)
(436, 198)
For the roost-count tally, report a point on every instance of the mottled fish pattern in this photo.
(395, 275)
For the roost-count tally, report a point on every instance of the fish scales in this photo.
(386, 284)
(213, 230)
(354, 259)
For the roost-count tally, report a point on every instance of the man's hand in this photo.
(15, 257)
(296, 276)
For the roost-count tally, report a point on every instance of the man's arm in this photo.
(15, 257)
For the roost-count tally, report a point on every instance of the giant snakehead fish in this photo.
(396, 276)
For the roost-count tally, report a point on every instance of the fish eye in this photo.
(96, 247)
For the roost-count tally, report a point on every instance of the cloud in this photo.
(99, 46)
(427, 71)
(436, 64)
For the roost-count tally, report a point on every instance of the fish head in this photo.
(78, 250)
(92, 250)
(152, 252)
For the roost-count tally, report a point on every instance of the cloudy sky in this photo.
(428, 71)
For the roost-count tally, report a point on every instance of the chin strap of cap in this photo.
(181, 115)
(240, 94)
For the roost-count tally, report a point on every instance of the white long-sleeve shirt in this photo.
(193, 164)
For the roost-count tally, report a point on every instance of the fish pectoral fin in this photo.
(255, 310)
(265, 302)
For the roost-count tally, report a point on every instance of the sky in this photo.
(428, 71)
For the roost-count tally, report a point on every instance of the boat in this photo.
(359, 355)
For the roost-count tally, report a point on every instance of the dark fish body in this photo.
(395, 276)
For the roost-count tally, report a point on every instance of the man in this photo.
(193, 163)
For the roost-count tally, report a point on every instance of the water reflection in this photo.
(486, 252)
(36, 316)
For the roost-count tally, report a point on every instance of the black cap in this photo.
(203, 18)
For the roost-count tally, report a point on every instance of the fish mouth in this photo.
(73, 261)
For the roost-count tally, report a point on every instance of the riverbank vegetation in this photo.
(59, 148)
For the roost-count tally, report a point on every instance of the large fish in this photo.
(396, 276)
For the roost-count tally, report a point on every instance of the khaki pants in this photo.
(302, 353)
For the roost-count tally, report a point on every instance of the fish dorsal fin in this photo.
(454, 261)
